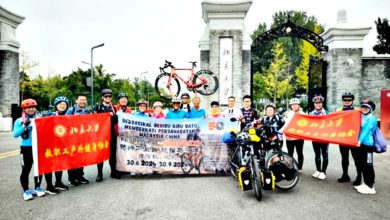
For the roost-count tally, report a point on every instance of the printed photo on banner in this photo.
(166, 146)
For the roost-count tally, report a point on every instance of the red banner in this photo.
(385, 113)
(70, 141)
(337, 128)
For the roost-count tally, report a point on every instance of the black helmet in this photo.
(318, 99)
(270, 105)
(348, 96)
(121, 95)
(185, 95)
(106, 92)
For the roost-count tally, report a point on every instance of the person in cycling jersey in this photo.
(122, 104)
(107, 107)
(319, 147)
(185, 102)
(142, 106)
(294, 142)
(61, 105)
(196, 110)
(23, 129)
(215, 112)
(76, 176)
(249, 114)
(176, 112)
(158, 110)
(348, 99)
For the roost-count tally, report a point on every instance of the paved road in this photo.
(167, 197)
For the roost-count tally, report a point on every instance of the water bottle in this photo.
(245, 159)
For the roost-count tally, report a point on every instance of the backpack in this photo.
(380, 142)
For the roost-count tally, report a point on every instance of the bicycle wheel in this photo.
(186, 163)
(285, 184)
(208, 81)
(257, 180)
(163, 89)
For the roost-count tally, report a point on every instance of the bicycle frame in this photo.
(189, 84)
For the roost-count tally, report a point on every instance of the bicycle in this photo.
(188, 161)
(167, 84)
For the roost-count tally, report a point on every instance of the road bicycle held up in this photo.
(167, 84)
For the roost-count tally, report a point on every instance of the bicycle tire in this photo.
(212, 82)
(186, 163)
(257, 180)
(162, 90)
(291, 183)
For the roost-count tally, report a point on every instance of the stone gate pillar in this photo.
(9, 61)
(344, 59)
(225, 49)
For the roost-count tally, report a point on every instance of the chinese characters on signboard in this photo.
(225, 69)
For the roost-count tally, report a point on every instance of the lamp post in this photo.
(100, 45)
(140, 81)
(149, 95)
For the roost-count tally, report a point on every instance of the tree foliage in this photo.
(294, 68)
(383, 29)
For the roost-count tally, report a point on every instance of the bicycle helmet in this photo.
(176, 100)
(29, 103)
(270, 105)
(106, 92)
(318, 99)
(368, 103)
(121, 95)
(294, 101)
(142, 101)
(348, 96)
(185, 95)
(157, 103)
(61, 99)
(242, 138)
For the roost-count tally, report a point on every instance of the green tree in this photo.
(383, 29)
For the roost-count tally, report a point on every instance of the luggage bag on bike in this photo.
(244, 179)
(268, 180)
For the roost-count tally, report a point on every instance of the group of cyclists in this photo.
(183, 108)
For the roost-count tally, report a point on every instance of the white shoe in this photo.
(39, 192)
(27, 195)
(367, 190)
(322, 176)
(132, 174)
(316, 174)
(360, 186)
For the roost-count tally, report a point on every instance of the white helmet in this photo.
(295, 101)
(157, 103)
(176, 99)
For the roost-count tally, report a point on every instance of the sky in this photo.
(140, 35)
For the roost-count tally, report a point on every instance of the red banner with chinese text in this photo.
(70, 141)
(337, 128)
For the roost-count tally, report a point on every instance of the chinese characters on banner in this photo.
(189, 146)
(225, 69)
(337, 128)
(70, 141)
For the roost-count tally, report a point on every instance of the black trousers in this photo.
(49, 176)
(344, 151)
(26, 160)
(298, 144)
(75, 174)
(366, 158)
(112, 159)
(321, 149)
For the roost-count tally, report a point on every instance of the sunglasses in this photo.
(184, 98)
(347, 100)
(107, 96)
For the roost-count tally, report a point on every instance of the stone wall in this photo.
(9, 81)
(344, 72)
(375, 77)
